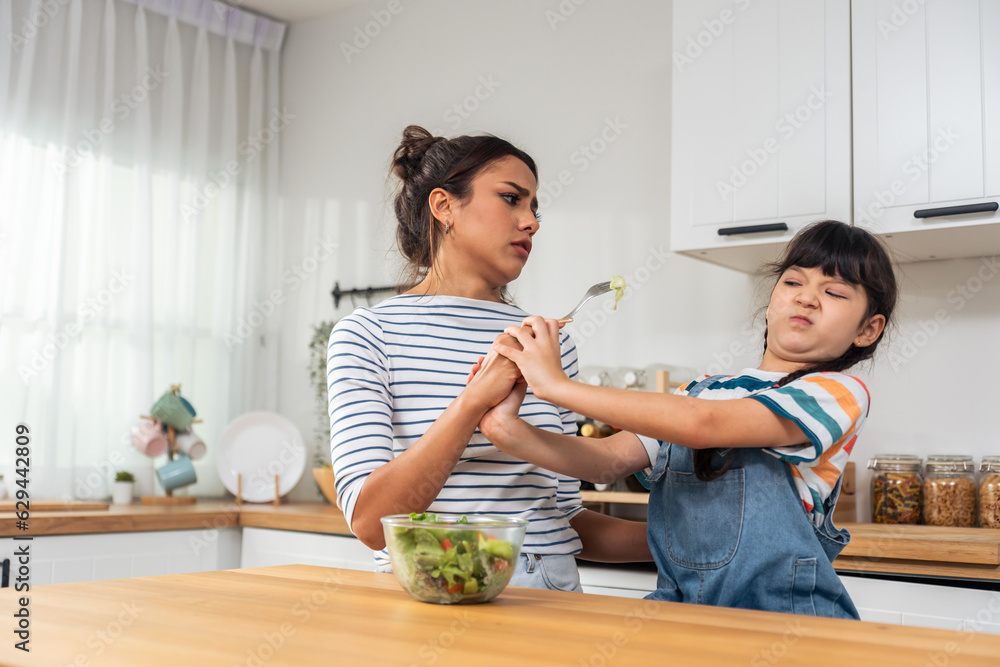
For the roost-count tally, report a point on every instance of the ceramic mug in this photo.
(149, 439)
(177, 473)
(189, 443)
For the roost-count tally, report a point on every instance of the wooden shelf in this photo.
(625, 497)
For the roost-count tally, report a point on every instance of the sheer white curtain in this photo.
(140, 234)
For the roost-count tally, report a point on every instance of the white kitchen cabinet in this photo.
(926, 110)
(761, 124)
(263, 547)
(924, 605)
(63, 559)
(629, 581)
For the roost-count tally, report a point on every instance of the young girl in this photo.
(403, 420)
(746, 469)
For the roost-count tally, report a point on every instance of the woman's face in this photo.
(490, 235)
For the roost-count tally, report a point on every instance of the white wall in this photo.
(555, 87)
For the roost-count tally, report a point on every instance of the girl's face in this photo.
(812, 318)
(490, 236)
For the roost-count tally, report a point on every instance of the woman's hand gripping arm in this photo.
(411, 481)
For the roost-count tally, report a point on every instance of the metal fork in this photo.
(595, 290)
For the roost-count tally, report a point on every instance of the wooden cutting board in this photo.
(54, 505)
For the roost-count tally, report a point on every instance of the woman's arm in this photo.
(692, 422)
(602, 461)
(605, 539)
(608, 539)
(411, 481)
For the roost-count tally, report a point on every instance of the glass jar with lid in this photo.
(897, 488)
(989, 492)
(949, 491)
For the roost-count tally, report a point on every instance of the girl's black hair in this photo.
(838, 249)
(423, 162)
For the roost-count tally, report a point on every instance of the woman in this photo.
(404, 420)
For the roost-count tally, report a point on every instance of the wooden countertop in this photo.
(303, 615)
(315, 518)
(918, 550)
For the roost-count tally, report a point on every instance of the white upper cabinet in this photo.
(761, 132)
(926, 111)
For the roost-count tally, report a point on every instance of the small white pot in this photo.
(121, 493)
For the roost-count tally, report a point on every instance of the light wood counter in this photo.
(301, 615)
(930, 551)
(313, 518)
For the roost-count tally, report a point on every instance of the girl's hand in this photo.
(540, 359)
(494, 423)
(493, 376)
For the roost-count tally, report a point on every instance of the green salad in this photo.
(445, 563)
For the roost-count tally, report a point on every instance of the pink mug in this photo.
(149, 439)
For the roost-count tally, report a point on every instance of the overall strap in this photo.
(645, 475)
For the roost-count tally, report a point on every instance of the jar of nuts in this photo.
(949, 491)
(989, 492)
(897, 488)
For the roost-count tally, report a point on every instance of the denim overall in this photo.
(742, 539)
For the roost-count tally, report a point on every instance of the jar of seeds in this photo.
(949, 491)
(989, 492)
(897, 488)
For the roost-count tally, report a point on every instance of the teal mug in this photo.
(177, 473)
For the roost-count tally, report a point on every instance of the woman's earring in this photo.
(447, 227)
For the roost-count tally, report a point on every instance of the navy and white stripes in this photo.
(393, 368)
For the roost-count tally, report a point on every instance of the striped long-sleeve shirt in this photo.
(829, 408)
(393, 368)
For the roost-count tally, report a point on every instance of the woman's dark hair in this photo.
(423, 162)
(838, 249)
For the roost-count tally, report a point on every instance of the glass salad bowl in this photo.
(453, 559)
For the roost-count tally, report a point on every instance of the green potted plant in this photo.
(322, 469)
(121, 491)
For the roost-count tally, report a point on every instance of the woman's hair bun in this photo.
(415, 144)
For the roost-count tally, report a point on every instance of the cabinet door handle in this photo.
(753, 229)
(985, 207)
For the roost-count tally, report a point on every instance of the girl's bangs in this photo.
(836, 250)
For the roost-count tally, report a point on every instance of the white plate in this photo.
(260, 445)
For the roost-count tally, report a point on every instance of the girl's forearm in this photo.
(608, 539)
(411, 481)
(602, 461)
(692, 422)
